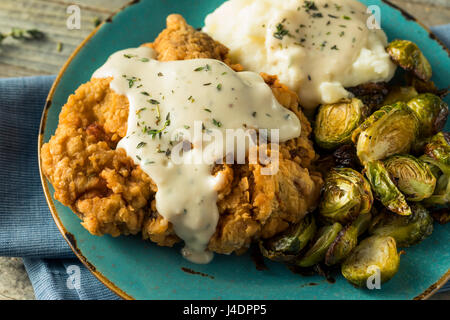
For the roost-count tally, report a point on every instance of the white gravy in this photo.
(166, 99)
(318, 48)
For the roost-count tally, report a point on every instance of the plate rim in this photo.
(70, 239)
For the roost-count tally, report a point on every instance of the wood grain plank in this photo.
(19, 58)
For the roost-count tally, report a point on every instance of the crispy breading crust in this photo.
(114, 196)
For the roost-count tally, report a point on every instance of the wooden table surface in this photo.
(28, 58)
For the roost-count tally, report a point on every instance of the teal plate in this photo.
(137, 269)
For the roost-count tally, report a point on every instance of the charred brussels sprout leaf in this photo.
(441, 195)
(287, 246)
(431, 111)
(372, 94)
(385, 189)
(437, 152)
(442, 216)
(347, 239)
(335, 122)
(317, 251)
(376, 252)
(390, 130)
(406, 230)
(412, 176)
(400, 94)
(408, 56)
(346, 194)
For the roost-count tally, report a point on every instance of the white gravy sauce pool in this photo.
(318, 48)
(168, 97)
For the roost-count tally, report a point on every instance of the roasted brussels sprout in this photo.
(406, 230)
(335, 122)
(317, 251)
(431, 111)
(347, 239)
(372, 94)
(437, 152)
(287, 246)
(385, 190)
(390, 130)
(408, 56)
(400, 94)
(346, 194)
(378, 251)
(441, 195)
(412, 176)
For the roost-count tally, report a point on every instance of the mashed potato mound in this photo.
(112, 195)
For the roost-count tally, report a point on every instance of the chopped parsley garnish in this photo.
(219, 86)
(145, 60)
(199, 69)
(281, 32)
(154, 132)
(139, 158)
(310, 5)
(217, 123)
(131, 81)
(254, 114)
(346, 18)
(334, 47)
(207, 110)
(153, 101)
(207, 84)
(186, 127)
(128, 56)
(145, 93)
(141, 144)
(160, 74)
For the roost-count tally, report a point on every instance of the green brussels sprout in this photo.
(437, 152)
(406, 230)
(335, 122)
(347, 239)
(392, 129)
(400, 94)
(317, 251)
(287, 246)
(431, 111)
(408, 56)
(412, 176)
(385, 190)
(373, 252)
(346, 194)
(441, 195)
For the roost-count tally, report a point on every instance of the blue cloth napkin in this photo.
(26, 227)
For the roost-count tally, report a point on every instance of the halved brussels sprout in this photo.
(287, 246)
(385, 190)
(346, 194)
(412, 176)
(406, 230)
(372, 94)
(376, 252)
(431, 111)
(335, 122)
(317, 251)
(408, 56)
(391, 130)
(441, 195)
(437, 152)
(347, 239)
(400, 94)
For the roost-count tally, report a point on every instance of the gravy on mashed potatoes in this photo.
(317, 48)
